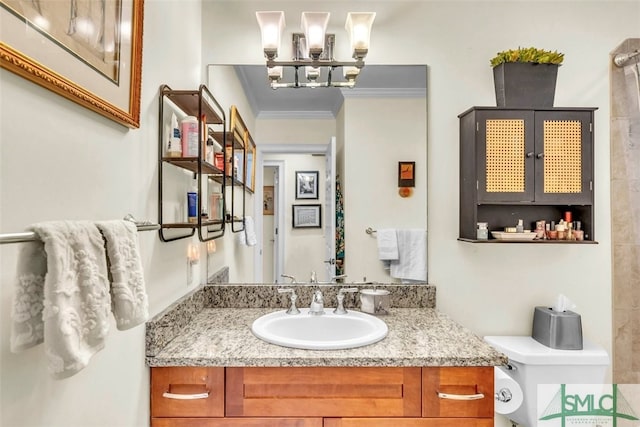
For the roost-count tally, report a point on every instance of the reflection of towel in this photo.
(248, 235)
(387, 244)
(412, 256)
(128, 295)
(70, 312)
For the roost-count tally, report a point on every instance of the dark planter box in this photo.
(525, 84)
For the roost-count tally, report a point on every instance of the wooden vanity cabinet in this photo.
(458, 392)
(324, 392)
(323, 397)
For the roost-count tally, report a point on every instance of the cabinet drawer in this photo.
(323, 392)
(236, 422)
(187, 392)
(408, 422)
(457, 392)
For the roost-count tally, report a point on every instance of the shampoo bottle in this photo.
(192, 203)
(189, 134)
(174, 144)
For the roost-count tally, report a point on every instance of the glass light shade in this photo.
(275, 73)
(359, 28)
(314, 25)
(350, 73)
(271, 27)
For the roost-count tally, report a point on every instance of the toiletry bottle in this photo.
(520, 227)
(192, 203)
(174, 145)
(189, 134)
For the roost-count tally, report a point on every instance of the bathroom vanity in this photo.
(208, 369)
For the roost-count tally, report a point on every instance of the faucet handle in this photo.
(292, 309)
(340, 308)
(287, 276)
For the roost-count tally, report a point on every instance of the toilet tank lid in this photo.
(525, 349)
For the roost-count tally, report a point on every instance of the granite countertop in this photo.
(417, 337)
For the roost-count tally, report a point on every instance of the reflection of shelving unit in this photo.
(240, 152)
(211, 124)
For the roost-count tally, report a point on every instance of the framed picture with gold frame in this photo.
(406, 174)
(48, 43)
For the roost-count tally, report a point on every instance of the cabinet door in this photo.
(236, 422)
(320, 391)
(187, 392)
(457, 392)
(505, 156)
(564, 157)
(408, 422)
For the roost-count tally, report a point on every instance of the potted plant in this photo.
(526, 77)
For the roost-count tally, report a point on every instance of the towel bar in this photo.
(370, 230)
(29, 236)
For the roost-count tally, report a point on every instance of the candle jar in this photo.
(482, 232)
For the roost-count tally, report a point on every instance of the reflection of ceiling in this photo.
(373, 81)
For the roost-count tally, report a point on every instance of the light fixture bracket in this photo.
(303, 58)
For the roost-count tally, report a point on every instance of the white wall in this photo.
(61, 161)
(378, 133)
(304, 249)
(285, 131)
(456, 40)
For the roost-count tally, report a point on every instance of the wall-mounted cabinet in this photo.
(529, 164)
(209, 219)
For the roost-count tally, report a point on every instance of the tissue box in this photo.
(557, 329)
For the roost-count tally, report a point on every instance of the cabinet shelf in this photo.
(191, 164)
(535, 242)
(191, 101)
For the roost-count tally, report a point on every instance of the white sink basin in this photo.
(326, 332)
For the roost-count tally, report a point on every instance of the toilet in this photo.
(531, 363)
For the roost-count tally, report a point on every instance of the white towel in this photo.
(71, 312)
(248, 235)
(129, 302)
(411, 264)
(387, 244)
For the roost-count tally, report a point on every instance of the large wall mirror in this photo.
(327, 168)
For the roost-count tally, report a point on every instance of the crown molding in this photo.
(384, 92)
(300, 115)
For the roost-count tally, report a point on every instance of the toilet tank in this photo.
(531, 363)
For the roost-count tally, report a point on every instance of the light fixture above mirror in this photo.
(313, 49)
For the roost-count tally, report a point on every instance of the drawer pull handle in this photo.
(477, 396)
(193, 396)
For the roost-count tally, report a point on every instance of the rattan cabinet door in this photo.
(564, 157)
(505, 156)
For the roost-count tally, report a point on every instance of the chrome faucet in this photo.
(317, 303)
(286, 276)
(292, 308)
(338, 277)
(340, 308)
